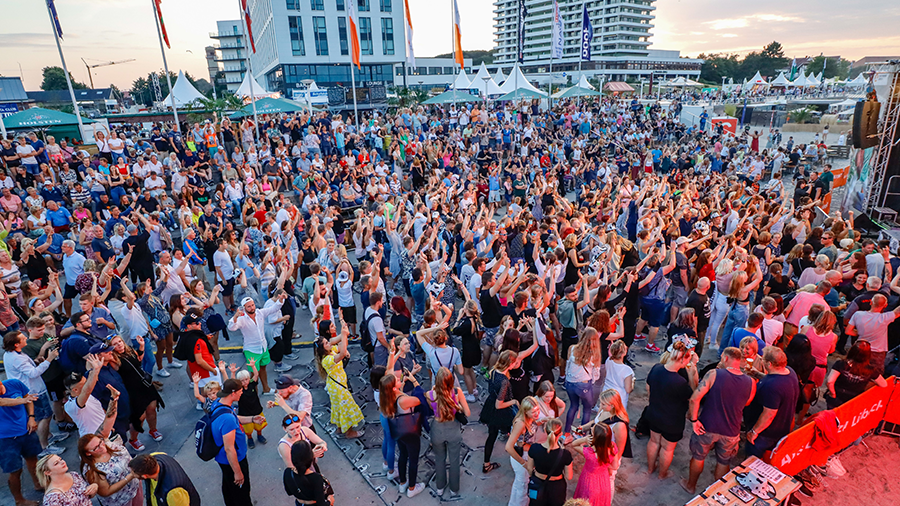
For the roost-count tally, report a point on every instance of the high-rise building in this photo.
(620, 47)
(302, 40)
(231, 52)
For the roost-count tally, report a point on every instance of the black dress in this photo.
(307, 487)
(498, 389)
(471, 347)
(141, 391)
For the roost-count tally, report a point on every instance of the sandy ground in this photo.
(871, 478)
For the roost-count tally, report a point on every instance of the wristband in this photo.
(30, 416)
(695, 421)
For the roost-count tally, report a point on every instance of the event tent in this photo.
(681, 82)
(618, 86)
(37, 117)
(800, 80)
(499, 78)
(523, 93)
(860, 80)
(184, 92)
(576, 91)
(583, 83)
(483, 82)
(781, 81)
(452, 97)
(251, 86)
(812, 81)
(843, 104)
(518, 81)
(269, 106)
(757, 80)
(462, 81)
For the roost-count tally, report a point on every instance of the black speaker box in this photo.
(865, 124)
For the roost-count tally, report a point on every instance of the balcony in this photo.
(240, 68)
(223, 35)
(229, 80)
(224, 58)
(229, 46)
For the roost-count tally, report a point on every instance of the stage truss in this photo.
(886, 80)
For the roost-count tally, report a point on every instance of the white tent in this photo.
(252, 86)
(518, 81)
(184, 92)
(757, 80)
(812, 81)
(499, 78)
(819, 76)
(843, 104)
(583, 83)
(483, 82)
(800, 80)
(781, 81)
(858, 82)
(681, 81)
(462, 81)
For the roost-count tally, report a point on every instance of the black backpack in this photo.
(365, 338)
(205, 444)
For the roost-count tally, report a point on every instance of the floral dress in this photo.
(116, 470)
(72, 497)
(344, 411)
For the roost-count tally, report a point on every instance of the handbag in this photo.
(346, 387)
(537, 487)
(407, 424)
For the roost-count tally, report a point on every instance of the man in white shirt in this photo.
(251, 322)
(224, 273)
(27, 156)
(235, 194)
(84, 409)
(20, 366)
(179, 179)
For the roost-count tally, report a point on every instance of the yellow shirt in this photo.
(175, 497)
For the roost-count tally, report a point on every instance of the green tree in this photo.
(767, 62)
(835, 67)
(407, 96)
(226, 102)
(55, 79)
(718, 65)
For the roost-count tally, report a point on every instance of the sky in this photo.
(112, 30)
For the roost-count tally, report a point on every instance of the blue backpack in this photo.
(205, 444)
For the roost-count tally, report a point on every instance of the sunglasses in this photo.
(290, 420)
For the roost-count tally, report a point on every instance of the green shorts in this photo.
(262, 359)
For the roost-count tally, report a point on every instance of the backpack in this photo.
(365, 338)
(205, 444)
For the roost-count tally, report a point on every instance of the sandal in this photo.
(489, 467)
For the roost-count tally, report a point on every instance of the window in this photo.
(342, 34)
(363, 5)
(387, 35)
(386, 7)
(320, 35)
(317, 5)
(339, 4)
(293, 5)
(295, 26)
(365, 36)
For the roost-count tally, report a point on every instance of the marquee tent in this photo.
(812, 81)
(781, 81)
(452, 97)
(518, 81)
(37, 117)
(462, 81)
(269, 106)
(483, 82)
(583, 83)
(800, 80)
(576, 91)
(523, 93)
(184, 93)
(251, 86)
(499, 78)
(858, 82)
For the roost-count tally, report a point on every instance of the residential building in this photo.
(231, 53)
(302, 40)
(92, 102)
(620, 48)
(431, 73)
(212, 66)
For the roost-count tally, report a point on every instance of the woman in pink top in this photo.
(823, 341)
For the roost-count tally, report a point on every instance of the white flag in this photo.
(557, 40)
(410, 54)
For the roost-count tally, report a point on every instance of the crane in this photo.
(105, 64)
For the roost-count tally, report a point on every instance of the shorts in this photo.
(726, 447)
(212, 150)
(56, 389)
(349, 314)
(228, 287)
(250, 428)
(672, 437)
(494, 196)
(490, 334)
(653, 311)
(12, 449)
(42, 408)
(677, 295)
(70, 292)
(262, 359)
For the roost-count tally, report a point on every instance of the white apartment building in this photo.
(619, 49)
(301, 40)
(231, 52)
(431, 73)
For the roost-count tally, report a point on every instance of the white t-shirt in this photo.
(222, 260)
(89, 418)
(616, 374)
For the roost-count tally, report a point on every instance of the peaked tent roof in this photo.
(462, 81)
(860, 80)
(484, 83)
(800, 80)
(184, 92)
(757, 80)
(452, 97)
(499, 78)
(576, 91)
(812, 81)
(252, 86)
(583, 83)
(37, 117)
(518, 81)
(781, 80)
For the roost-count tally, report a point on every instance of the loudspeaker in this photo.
(865, 124)
(866, 226)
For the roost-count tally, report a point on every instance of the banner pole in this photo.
(162, 49)
(250, 71)
(62, 60)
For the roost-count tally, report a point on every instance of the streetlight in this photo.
(308, 83)
(485, 79)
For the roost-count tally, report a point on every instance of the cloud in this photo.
(745, 21)
(727, 35)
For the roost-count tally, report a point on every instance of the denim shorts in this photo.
(726, 447)
(12, 449)
(42, 409)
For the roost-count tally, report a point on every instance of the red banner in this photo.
(892, 413)
(857, 416)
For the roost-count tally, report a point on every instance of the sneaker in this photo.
(56, 438)
(835, 469)
(156, 435)
(136, 445)
(454, 496)
(291, 356)
(199, 406)
(561, 380)
(261, 439)
(439, 492)
(282, 367)
(162, 373)
(250, 442)
(51, 450)
(652, 348)
(393, 475)
(804, 490)
(470, 398)
(404, 487)
(415, 490)
(175, 365)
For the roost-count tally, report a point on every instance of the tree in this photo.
(226, 102)
(55, 79)
(836, 67)
(142, 87)
(718, 65)
(407, 96)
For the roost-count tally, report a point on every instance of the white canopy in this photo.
(860, 80)
(756, 80)
(812, 81)
(843, 104)
(583, 83)
(499, 78)
(483, 82)
(800, 80)
(252, 86)
(819, 76)
(184, 92)
(781, 80)
(682, 81)
(517, 81)
(462, 81)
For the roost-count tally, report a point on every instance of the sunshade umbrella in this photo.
(576, 91)
(37, 117)
(522, 93)
(452, 97)
(270, 106)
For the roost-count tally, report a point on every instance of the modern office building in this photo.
(431, 73)
(231, 52)
(302, 40)
(620, 47)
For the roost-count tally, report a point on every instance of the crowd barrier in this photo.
(856, 417)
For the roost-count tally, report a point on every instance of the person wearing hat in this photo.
(227, 433)
(251, 322)
(294, 399)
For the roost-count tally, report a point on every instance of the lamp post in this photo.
(485, 79)
(308, 82)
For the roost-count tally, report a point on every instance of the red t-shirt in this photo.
(201, 348)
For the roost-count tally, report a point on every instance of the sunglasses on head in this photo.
(290, 420)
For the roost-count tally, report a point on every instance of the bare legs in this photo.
(659, 449)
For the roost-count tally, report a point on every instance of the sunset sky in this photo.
(109, 30)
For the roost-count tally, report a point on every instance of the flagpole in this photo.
(250, 70)
(353, 85)
(162, 49)
(62, 59)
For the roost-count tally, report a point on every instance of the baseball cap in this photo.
(100, 348)
(681, 240)
(193, 315)
(285, 381)
(246, 300)
(230, 386)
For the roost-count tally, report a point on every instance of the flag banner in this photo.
(457, 37)
(520, 48)
(354, 33)
(410, 54)
(249, 28)
(558, 42)
(52, 7)
(162, 24)
(587, 35)
(793, 69)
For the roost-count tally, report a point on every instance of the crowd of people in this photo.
(531, 251)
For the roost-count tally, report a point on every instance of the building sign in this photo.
(8, 110)
(315, 97)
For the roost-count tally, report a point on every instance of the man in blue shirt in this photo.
(73, 266)
(59, 217)
(50, 243)
(227, 433)
(18, 438)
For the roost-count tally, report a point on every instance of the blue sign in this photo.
(587, 34)
(8, 110)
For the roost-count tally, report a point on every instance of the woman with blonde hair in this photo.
(669, 393)
(447, 402)
(467, 326)
(619, 375)
(583, 356)
(613, 414)
(739, 299)
(519, 443)
(551, 464)
(720, 306)
(62, 487)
